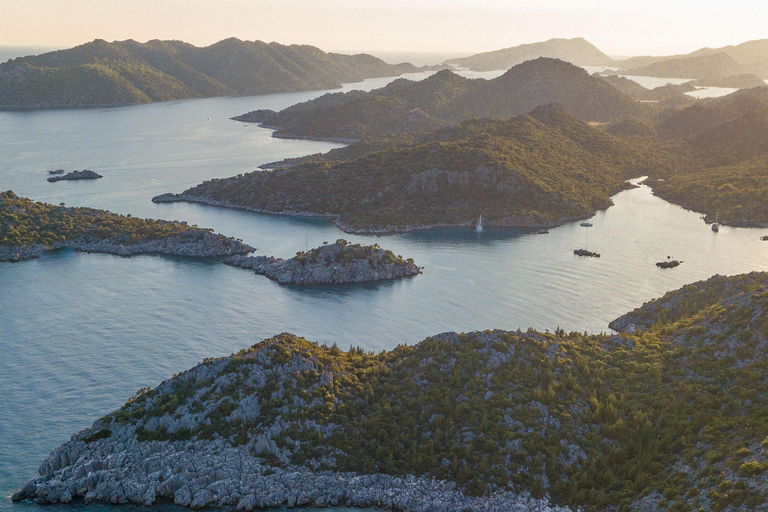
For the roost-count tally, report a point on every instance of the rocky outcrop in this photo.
(668, 264)
(338, 263)
(120, 470)
(76, 175)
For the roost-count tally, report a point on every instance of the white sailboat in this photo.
(480, 224)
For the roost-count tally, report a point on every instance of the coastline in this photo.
(522, 222)
(196, 474)
(210, 246)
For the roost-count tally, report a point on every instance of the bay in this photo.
(81, 333)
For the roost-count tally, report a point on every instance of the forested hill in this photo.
(539, 169)
(577, 51)
(447, 98)
(668, 415)
(722, 147)
(127, 72)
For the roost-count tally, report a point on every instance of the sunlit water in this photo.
(80, 333)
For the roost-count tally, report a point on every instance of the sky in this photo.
(618, 27)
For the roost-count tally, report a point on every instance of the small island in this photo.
(585, 252)
(668, 264)
(76, 175)
(337, 263)
(765, 238)
(29, 229)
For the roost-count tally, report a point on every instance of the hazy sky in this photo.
(618, 27)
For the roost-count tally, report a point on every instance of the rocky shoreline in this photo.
(196, 474)
(516, 221)
(327, 265)
(207, 245)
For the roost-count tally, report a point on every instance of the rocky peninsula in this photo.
(479, 421)
(337, 263)
(29, 229)
(76, 175)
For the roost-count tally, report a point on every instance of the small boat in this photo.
(479, 227)
(57, 171)
(716, 224)
(586, 224)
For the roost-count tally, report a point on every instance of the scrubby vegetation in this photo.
(734, 194)
(672, 413)
(538, 169)
(342, 252)
(127, 72)
(25, 222)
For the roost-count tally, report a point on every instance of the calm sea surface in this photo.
(80, 333)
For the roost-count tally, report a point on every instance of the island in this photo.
(668, 264)
(29, 229)
(537, 170)
(128, 72)
(76, 175)
(585, 252)
(729, 66)
(667, 413)
(577, 51)
(336, 263)
(764, 239)
(446, 98)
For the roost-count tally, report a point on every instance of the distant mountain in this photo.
(752, 54)
(750, 57)
(714, 65)
(576, 51)
(127, 72)
(538, 169)
(446, 98)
